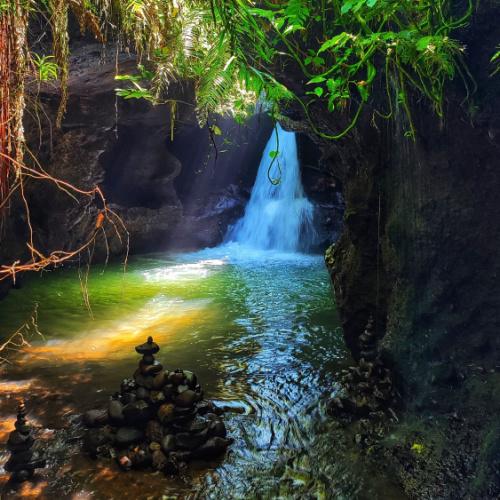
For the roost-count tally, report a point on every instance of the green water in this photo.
(259, 329)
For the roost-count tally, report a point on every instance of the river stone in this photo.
(186, 399)
(168, 443)
(115, 411)
(23, 457)
(159, 460)
(157, 397)
(188, 441)
(160, 380)
(150, 369)
(213, 447)
(149, 348)
(199, 424)
(191, 379)
(142, 393)
(145, 381)
(169, 390)
(154, 431)
(128, 385)
(154, 446)
(128, 435)
(176, 377)
(166, 413)
(182, 388)
(137, 412)
(95, 438)
(217, 429)
(205, 407)
(19, 442)
(129, 397)
(95, 418)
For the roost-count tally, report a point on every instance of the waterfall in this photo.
(277, 217)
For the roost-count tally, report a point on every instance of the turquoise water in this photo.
(261, 331)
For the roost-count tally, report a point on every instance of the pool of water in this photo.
(261, 331)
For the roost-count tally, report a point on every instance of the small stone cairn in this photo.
(370, 392)
(158, 419)
(24, 459)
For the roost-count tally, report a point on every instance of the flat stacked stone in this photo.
(24, 459)
(157, 419)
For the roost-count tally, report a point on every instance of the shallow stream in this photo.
(260, 330)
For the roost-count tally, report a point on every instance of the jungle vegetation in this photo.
(235, 53)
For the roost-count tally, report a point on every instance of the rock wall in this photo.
(170, 194)
(419, 253)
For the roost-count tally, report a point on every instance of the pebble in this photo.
(154, 431)
(159, 460)
(188, 441)
(166, 413)
(115, 411)
(160, 380)
(168, 443)
(186, 399)
(142, 393)
(213, 447)
(137, 412)
(95, 418)
(128, 435)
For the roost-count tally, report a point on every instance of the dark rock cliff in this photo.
(419, 253)
(170, 194)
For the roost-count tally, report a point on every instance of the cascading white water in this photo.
(277, 217)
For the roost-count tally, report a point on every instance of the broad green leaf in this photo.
(319, 91)
(346, 7)
(316, 79)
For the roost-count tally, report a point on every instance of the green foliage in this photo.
(343, 47)
(46, 67)
(237, 51)
(417, 448)
(496, 61)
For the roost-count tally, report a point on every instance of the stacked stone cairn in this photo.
(158, 419)
(24, 458)
(368, 386)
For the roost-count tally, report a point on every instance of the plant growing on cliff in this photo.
(344, 52)
(343, 48)
(495, 60)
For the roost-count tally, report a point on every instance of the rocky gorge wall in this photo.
(419, 253)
